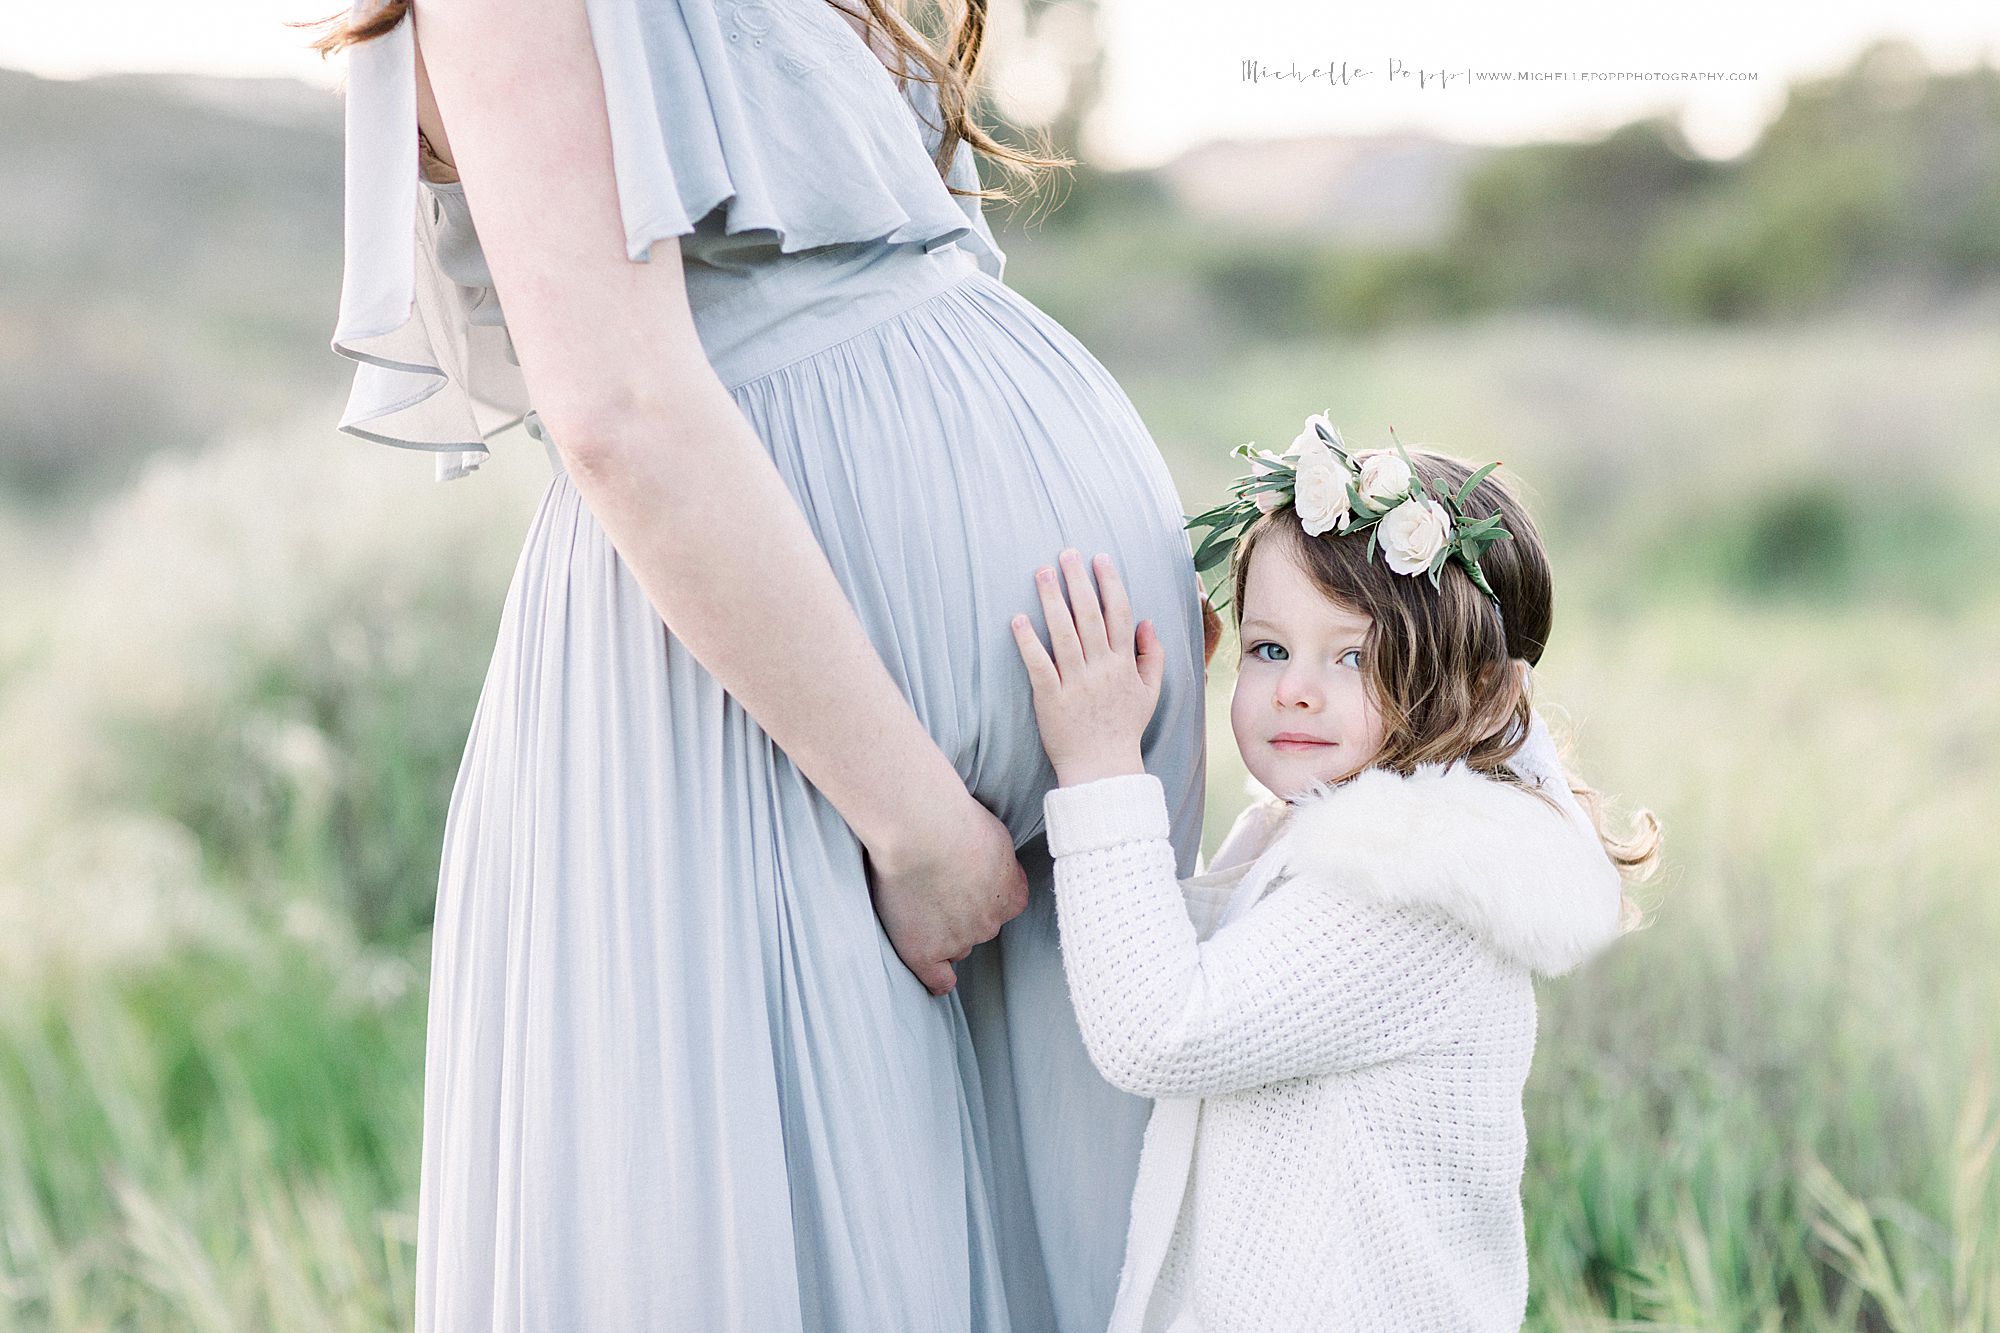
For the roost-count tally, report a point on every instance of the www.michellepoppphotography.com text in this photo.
(1397, 73)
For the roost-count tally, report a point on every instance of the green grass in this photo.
(215, 1140)
(1772, 1108)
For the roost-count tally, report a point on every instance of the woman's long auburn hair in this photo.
(1438, 660)
(955, 75)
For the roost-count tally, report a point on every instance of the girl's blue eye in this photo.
(1264, 643)
(1354, 653)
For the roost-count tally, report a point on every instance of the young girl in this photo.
(1339, 1060)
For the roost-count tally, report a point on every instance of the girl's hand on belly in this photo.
(1094, 699)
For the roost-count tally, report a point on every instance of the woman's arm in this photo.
(676, 477)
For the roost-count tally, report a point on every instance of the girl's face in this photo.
(1302, 711)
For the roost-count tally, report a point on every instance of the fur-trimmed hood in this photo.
(1537, 884)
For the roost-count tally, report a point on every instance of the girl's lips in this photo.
(1297, 743)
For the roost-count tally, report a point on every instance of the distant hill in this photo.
(170, 244)
(1876, 188)
(275, 101)
(1365, 189)
(170, 247)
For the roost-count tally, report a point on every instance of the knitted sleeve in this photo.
(1305, 982)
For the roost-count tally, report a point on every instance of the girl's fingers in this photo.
(1117, 608)
(1062, 629)
(1152, 658)
(1041, 671)
(1083, 601)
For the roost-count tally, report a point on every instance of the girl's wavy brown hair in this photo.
(1438, 659)
(955, 75)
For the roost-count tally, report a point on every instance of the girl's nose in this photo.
(1296, 691)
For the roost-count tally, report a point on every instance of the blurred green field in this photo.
(231, 708)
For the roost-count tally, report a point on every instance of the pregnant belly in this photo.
(942, 455)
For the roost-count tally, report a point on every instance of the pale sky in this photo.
(1176, 75)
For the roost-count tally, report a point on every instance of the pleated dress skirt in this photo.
(677, 1077)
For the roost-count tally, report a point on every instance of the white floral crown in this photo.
(1336, 491)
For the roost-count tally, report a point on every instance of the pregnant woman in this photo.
(746, 1009)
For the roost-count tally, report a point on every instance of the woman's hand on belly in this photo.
(949, 888)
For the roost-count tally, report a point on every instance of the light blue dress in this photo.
(677, 1078)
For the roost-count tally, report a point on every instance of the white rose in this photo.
(1384, 476)
(1261, 466)
(1412, 534)
(1307, 445)
(1320, 494)
(1325, 429)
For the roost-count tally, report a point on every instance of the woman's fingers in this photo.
(1083, 603)
(1117, 608)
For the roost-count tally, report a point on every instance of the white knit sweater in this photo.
(1338, 1141)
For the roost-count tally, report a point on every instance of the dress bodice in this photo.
(790, 241)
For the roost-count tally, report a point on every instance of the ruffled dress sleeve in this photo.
(774, 111)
